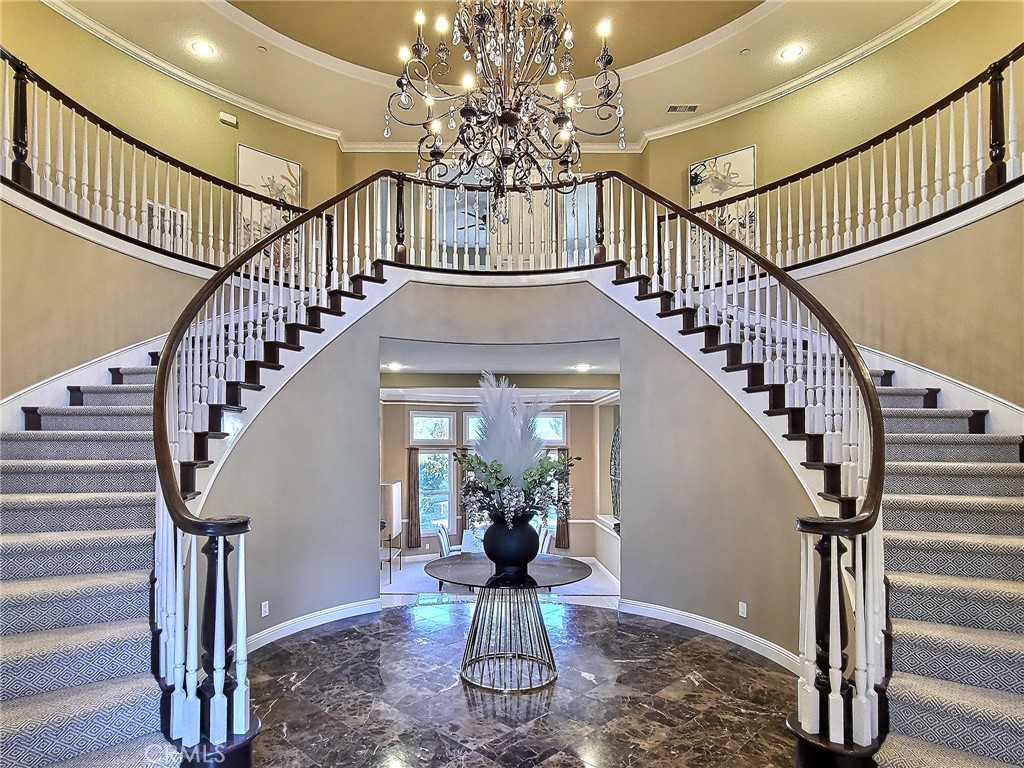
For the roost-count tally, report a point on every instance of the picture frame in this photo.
(722, 177)
(270, 176)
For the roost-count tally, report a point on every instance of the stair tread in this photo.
(985, 703)
(65, 704)
(72, 465)
(92, 410)
(114, 387)
(961, 638)
(988, 588)
(966, 468)
(48, 588)
(929, 413)
(98, 499)
(86, 435)
(1008, 504)
(136, 369)
(902, 751)
(11, 543)
(904, 390)
(940, 438)
(33, 644)
(151, 751)
(975, 542)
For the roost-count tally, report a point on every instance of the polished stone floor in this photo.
(382, 691)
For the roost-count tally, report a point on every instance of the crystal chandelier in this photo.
(516, 118)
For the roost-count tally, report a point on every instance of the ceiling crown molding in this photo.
(138, 53)
(841, 62)
(373, 77)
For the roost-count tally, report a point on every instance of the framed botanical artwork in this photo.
(721, 178)
(270, 176)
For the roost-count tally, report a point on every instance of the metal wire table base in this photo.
(508, 648)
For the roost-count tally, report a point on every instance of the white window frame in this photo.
(547, 443)
(453, 502)
(453, 425)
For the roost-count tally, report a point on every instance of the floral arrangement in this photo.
(510, 476)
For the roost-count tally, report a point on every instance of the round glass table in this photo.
(507, 648)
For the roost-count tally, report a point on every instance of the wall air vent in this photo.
(684, 108)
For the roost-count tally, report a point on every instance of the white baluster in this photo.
(47, 190)
(911, 217)
(808, 706)
(120, 222)
(190, 725)
(872, 198)
(780, 254)
(837, 243)
(847, 208)
(812, 231)
(178, 673)
(860, 233)
(240, 701)
(953, 191)
(886, 223)
(938, 199)
(83, 188)
(897, 176)
(789, 224)
(824, 249)
(6, 146)
(862, 713)
(34, 138)
(108, 210)
(97, 208)
(60, 190)
(967, 187)
(924, 208)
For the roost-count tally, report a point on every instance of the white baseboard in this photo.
(758, 645)
(599, 566)
(311, 620)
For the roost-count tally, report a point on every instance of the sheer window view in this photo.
(435, 475)
(433, 428)
(549, 427)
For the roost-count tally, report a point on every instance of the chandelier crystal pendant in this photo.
(515, 119)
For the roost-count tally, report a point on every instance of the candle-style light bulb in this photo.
(604, 30)
(404, 53)
(468, 81)
(421, 18)
(435, 126)
(441, 26)
(560, 86)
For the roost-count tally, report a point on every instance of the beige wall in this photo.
(308, 469)
(169, 115)
(954, 304)
(65, 301)
(582, 443)
(850, 106)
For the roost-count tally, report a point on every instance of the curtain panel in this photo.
(413, 538)
(562, 527)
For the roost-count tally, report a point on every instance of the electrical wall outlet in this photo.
(743, 610)
(265, 608)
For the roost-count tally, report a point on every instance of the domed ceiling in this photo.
(370, 33)
(328, 66)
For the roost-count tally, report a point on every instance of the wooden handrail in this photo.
(866, 519)
(997, 66)
(180, 514)
(21, 66)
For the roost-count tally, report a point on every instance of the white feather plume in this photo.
(506, 432)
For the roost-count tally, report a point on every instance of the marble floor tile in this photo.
(383, 691)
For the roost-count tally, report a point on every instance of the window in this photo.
(550, 426)
(436, 503)
(427, 428)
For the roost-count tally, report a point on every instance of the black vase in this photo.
(511, 549)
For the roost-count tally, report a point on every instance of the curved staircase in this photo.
(76, 558)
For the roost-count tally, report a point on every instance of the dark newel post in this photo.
(209, 627)
(400, 222)
(600, 252)
(822, 621)
(329, 235)
(21, 173)
(995, 174)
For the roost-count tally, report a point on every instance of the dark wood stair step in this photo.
(293, 331)
(315, 314)
(733, 352)
(253, 368)
(359, 280)
(272, 350)
(643, 283)
(847, 504)
(154, 358)
(755, 375)
(710, 333)
(234, 391)
(796, 417)
(201, 443)
(666, 298)
(187, 474)
(776, 392)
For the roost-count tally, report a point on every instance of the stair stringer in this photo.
(235, 424)
(732, 382)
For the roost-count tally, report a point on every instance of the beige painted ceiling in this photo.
(266, 71)
(370, 33)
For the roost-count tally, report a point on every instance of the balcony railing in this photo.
(56, 149)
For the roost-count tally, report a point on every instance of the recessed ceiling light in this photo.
(792, 52)
(583, 367)
(203, 49)
(395, 366)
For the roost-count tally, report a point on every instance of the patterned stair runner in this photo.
(76, 556)
(954, 549)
